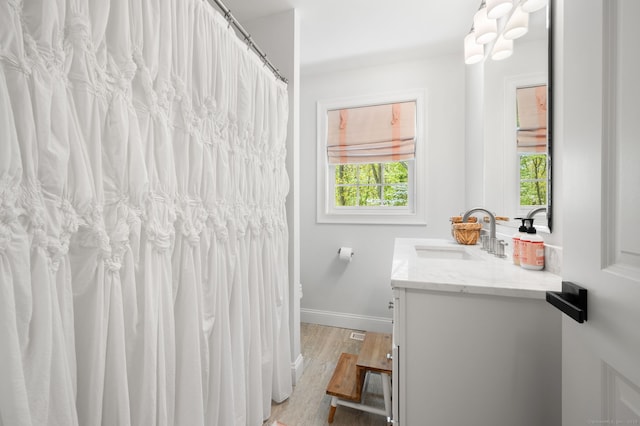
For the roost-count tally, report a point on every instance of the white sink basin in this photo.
(435, 252)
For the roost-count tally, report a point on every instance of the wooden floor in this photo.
(309, 405)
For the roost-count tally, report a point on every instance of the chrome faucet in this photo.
(534, 212)
(492, 225)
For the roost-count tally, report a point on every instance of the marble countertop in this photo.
(478, 273)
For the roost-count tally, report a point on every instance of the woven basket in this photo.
(458, 219)
(466, 233)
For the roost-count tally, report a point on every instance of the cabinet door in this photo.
(482, 360)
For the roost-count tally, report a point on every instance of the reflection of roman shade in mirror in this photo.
(532, 118)
(372, 134)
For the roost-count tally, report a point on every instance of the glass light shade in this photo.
(517, 25)
(486, 29)
(502, 49)
(498, 8)
(473, 52)
(533, 5)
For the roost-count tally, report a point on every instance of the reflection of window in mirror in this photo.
(531, 140)
(369, 159)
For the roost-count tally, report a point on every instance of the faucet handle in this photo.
(484, 238)
(500, 248)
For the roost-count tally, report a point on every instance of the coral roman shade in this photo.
(372, 134)
(532, 119)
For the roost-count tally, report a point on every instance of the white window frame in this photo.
(511, 159)
(415, 212)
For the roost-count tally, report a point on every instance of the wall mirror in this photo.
(517, 163)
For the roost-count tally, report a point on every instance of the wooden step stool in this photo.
(346, 384)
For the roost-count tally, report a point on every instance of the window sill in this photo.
(372, 218)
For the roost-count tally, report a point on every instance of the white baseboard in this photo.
(297, 367)
(345, 320)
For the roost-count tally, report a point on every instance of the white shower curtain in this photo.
(143, 237)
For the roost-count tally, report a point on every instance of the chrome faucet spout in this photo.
(492, 225)
(534, 212)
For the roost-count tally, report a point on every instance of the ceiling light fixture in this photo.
(501, 31)
(473, 52)
(502, 49)
(517, 25)
(533, 5)
(498, 8)
(486, 29)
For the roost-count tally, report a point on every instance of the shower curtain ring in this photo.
(228, 17)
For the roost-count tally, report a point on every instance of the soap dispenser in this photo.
(522, 231)
(531, 248)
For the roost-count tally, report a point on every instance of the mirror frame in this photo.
(500, 184)
(550, 79)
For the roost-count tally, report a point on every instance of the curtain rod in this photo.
(247, 38)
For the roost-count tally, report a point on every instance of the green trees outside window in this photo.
(372, 185)
(533, 180)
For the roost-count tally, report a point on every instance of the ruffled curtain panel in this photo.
(143, 237)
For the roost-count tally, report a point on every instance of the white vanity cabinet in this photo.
(470, 353)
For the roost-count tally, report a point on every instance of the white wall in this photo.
(356, 294)
(474, 136)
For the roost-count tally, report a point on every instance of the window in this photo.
(533, 180)
(372, 184)
(531, 140)
(371, 160)
(526, 158)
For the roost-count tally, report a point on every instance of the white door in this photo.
(598, 132)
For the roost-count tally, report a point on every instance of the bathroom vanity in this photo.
(474, 341)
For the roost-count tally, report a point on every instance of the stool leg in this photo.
(365, 385)
(386, 390)
(332, 410)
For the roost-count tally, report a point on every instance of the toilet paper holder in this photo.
(340, 251)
